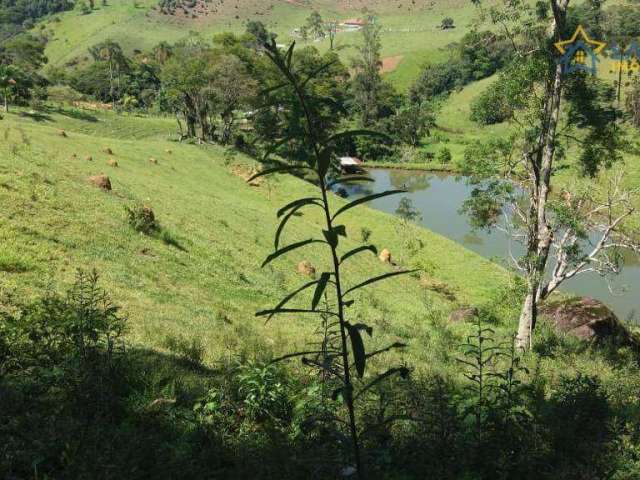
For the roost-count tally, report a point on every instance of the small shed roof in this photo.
(347, 161)
(355, 21)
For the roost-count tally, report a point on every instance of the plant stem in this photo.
(336, 267)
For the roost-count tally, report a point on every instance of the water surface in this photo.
(439, 197)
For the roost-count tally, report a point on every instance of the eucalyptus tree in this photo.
(562, 235)
(343, 356)
(367, 82)
(111, 53)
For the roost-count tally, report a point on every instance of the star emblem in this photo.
(595, 45)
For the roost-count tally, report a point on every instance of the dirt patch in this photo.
(245, 173)
(389, 64)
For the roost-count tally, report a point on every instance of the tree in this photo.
(331, 27)
(186, 79)
(411, 123)
(632, 101)
(550, 229)
(367, 82)
(315, 25)
(21, 58)
(7, 83)
(112, 55)
(232, 87)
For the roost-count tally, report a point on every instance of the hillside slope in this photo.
(410, 28)
(204, 281)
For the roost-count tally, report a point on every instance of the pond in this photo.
(439, 197)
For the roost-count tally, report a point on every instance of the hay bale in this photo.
(112, 163)
(153, 161)
(89, 158)
(305, 268)
(101, 181)
(63, 133)
(108, 151)
(385, 256)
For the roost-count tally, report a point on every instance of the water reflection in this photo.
(439, 197)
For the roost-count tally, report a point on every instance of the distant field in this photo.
(410, 29)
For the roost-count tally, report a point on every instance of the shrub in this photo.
(444, 156)
(263, 391)
(142, 219)
(365, 234)
(492, 106)
(190, 350)
(447, 23)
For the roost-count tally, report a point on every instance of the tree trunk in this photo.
(527, 323)
(6, 101)
(540, 165)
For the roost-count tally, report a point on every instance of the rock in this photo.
(153, 160)
(585, 318)
(385, 256)
(305, 268)
(112, 163)
(108, 151)
(101, 181)
(463, 314)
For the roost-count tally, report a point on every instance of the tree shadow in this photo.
(36, 116)
(71, 113)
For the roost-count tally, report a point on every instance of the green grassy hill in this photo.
(410, 28)
(204, 280)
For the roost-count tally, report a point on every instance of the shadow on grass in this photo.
(36, 116)
(71, 113)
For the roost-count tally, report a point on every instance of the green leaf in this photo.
(317, 72)
(322, 284)
(289, 297)
(357, 347)
(274, 147)
(355, 251)
(289, 55)
(300, 203)
(379, 278)
(289, 248)
(285, 220)
(324, 162)
(366, 199)
(402, 371)
(331, 237)
(269, 90)
(350, 178)
(281, 169)
(264, 313)
(358, 133)
(340, 230)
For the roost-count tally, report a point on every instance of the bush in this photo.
(491, 107)
(192, 351)
(447, 23)
(142, 219)
(444, 156)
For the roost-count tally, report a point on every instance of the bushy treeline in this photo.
(225, 90)
(79, 403)
(16, 15)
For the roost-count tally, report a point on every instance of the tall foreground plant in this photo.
(348, 356)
